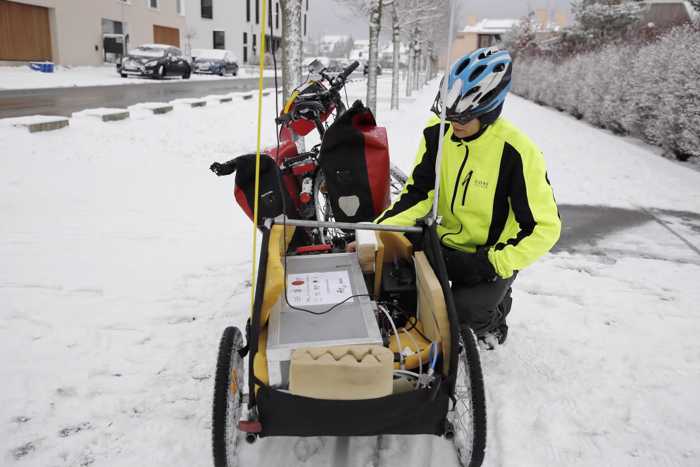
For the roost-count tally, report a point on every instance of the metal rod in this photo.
(348, 225)
(443, 111)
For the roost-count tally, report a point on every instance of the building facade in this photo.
(489, 32)
(234, 25)
(86, 32)
(91, 32)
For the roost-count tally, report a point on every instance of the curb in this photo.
(41, 123)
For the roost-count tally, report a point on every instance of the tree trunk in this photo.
(291, 46)
(396, 40)
(409, 70)
(418, 62)
(375, 24)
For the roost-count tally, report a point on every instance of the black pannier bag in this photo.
(270, 204)
(355, 161)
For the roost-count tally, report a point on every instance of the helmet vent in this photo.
(477, 72)
(462, 66)
(472, 91)
(486, 97)
(499, 68)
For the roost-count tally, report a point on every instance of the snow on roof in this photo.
(492, 26)
(688, 7)
(390, 48)
(361, 43)
(333, 39)
(157, 46)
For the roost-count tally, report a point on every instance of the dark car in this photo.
(214, 61)
(155, 60)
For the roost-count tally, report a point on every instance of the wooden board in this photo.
(25, 34)
(166, 35)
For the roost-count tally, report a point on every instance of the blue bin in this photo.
(44, 67)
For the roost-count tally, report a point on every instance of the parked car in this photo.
(156, 61)
(214, 61)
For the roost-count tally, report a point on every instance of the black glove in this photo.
(227, 168)
(469, 269)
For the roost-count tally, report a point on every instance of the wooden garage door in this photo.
(165, 35)
(24, 32)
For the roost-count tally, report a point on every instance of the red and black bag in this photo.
(355, 161)
(270, 202)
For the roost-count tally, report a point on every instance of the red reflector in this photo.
(305, 197)
(250, 426)
(314, 248)
(298, 282)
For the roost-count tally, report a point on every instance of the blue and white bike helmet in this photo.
(476, 84)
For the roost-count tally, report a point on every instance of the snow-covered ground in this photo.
(123, 258)
(23, 77)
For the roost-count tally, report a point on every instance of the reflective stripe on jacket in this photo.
(494, 192)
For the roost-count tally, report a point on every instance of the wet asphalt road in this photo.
(66, 100)
(586, 229)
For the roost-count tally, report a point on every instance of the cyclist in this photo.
(497, 207)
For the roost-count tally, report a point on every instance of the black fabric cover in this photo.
(416, 412)
(270, 199)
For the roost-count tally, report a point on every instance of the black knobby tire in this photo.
(324, 210)
(469, 415)
(228, 398)
(187, 74)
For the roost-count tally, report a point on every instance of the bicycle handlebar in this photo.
(340, 79)
(313, 102)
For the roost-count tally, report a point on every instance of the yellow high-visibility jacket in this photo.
(494, 192)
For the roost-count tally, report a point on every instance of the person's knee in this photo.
(482, 307)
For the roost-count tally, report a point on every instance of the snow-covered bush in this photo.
(651, 91)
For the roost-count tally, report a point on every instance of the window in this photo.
(257, 11)
(269, 13)
(255, 44)
(180, 7)
(277, 15)
(304, 23)
(247, 10)
(219, 40)
(245, 47)
(307, 5)
(112, 27)
(153, 4)
(485, 40)
(207, 9)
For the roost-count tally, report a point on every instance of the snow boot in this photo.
(497, 335)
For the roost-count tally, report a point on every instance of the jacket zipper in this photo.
(459, 175)
(466, 185)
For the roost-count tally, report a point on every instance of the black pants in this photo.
(484, 306)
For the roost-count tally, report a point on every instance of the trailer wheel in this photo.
(468, 418)
(228, 398)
